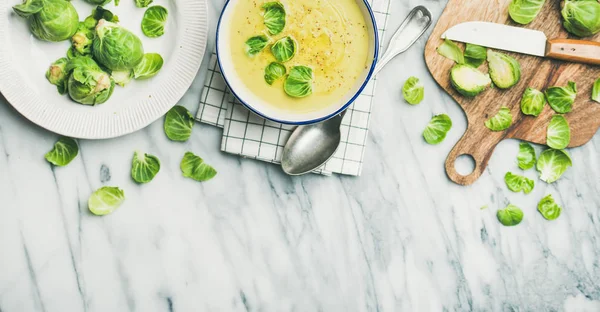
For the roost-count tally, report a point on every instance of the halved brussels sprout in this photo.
(88, 83)
(284, 49)
(274, 71)
(274, 17)
(467, 80)
(501, 121)
(57, 74)
(505, 70)
(256, 44)
(525, 11)
(122, 77)
(581, 17)
(116, 47)
(105, 200)
(533, 102)
(49, 20)
(299, 82)
(558, 134)
(148, 67)
(413, 91)
(154, 21)
(561, 99)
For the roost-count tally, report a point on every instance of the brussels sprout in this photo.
(88, 83)
(467, 80)
(256, 44)
(274, 17)
(475, 55)
(284, 49)
(510, 216)
(274, 71)
(49, 20)
(98, 2)
(105, 200)
(98, 14)
(116, 47)
(552, 164)
(195, 168)
(581, 17)
(148, 67)
(122, 77)
(143, 3)
(596, 91)
(178, 124)
(82, 40)
(144, 167)
(154, 20)
(561, 99)
(532, 102)
(558, 134)
(501, 121)
(64, 151)
(436, 130)
(450, 50)
(413, 91)
(299, 83)
(517, 183)
(548, 208)
(505, 71)
(57, 74)
(526, 157)
(525, 11)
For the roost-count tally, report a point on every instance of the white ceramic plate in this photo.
(25, 59)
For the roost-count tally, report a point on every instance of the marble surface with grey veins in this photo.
(401, 237)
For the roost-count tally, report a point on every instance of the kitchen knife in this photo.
(525, 41)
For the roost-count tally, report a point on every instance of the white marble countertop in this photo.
(400, 238)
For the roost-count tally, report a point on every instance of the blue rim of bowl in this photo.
(299, 123)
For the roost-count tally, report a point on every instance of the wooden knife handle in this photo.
(579, 51)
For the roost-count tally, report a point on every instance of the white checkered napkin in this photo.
(251, 136)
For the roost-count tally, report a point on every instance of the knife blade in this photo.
(524, 41)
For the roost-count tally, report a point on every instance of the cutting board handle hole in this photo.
(464, 164)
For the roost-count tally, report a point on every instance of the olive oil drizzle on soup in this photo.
(332, 39)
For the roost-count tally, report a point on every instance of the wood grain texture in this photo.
(539, 73)
(574, 50)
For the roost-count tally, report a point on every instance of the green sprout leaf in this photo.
(49, 20)
(256, 44)
(144, 167)
(64, 151)
(559, 134)
(505, 70)
(436, 130)
(105, 200)
(596, 91)
(57, 74)
(143, 3)
(298, 83)
(122, 77)
(532, 102)
(524, 11)
(115, 47)
(154, 21)
(561, 99)
(526, 157)
(548, 208)
(274, 17)
(501, 121)
(284, 49)
(195, 168)
(581, 17)
(274, 71)
(450, 50)
(552, 164)
(468, 81)
(518, 183)
(475, 55)
(413, 91)
(510, 216)
(28, 8)
(178, 124)
(149, 66)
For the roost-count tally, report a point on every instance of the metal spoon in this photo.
(311, 146)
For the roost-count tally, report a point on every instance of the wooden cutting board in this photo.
(539, 73)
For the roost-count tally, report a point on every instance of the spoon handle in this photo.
(411, 29)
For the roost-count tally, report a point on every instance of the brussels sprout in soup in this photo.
(329, 37)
